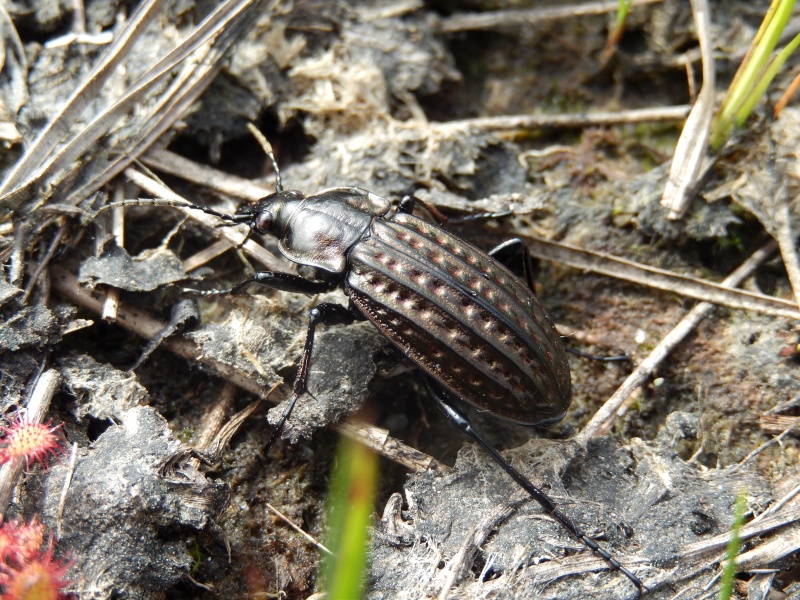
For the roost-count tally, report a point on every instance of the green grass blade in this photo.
(734, 547)
(766, 79)
(623, 8)
(751, 71)
(351, 500)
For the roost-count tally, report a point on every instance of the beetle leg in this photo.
(484, 216)
(460, 420)
(325, 313)
(408, 203)
(276, 281)
(515, 249)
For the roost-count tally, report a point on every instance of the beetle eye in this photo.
(262, 222)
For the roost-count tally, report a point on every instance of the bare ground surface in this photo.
(398, 98)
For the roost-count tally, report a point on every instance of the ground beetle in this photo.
(476, 331)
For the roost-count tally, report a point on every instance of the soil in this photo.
(163, 501)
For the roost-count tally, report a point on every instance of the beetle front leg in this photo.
(460, 420)
(273, 280)
(326, 313)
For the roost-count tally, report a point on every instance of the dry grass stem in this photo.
(232, 235)
(503, 19)
(587, 119)
(209, 177)
(35, 410)
(690, 162)
(690, 287)
(298, 529)
(604, 417)
(62, 500)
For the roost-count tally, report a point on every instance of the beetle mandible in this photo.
(477, 332)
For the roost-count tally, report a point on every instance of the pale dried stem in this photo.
(504, 19)
(298, 529)
(200, 174)
(691, 287)
(232, 235)
(55, 244)
(782, 232)
(35, 411)
(111, 303)
(206, 255)
(605, 416)
(216, 416)
(576, 120)
(690, 162)
(62, 499)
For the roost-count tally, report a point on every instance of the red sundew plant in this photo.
(20, 541)
(35, 442)
(39, 578)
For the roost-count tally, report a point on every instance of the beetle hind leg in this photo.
(460, 420)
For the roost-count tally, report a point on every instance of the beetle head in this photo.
(269, 214)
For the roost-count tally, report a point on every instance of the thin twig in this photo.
(35, 411)
(691, 287)
(298, 529)
(524, 18)
(231, 235)
(213, 420)
(111, 303)
(205, 175)
(690, 163)
(55, 244)
(206, 255)
(62, 499)
(574, 120)
(602, 419)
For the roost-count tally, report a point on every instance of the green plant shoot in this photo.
(734, 547)
(755, 73)
(351, 499)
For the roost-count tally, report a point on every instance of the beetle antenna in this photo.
(163, 202)
(267, 148)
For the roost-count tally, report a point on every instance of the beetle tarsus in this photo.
(598, 357)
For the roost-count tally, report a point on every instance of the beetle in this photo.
(475, 330)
